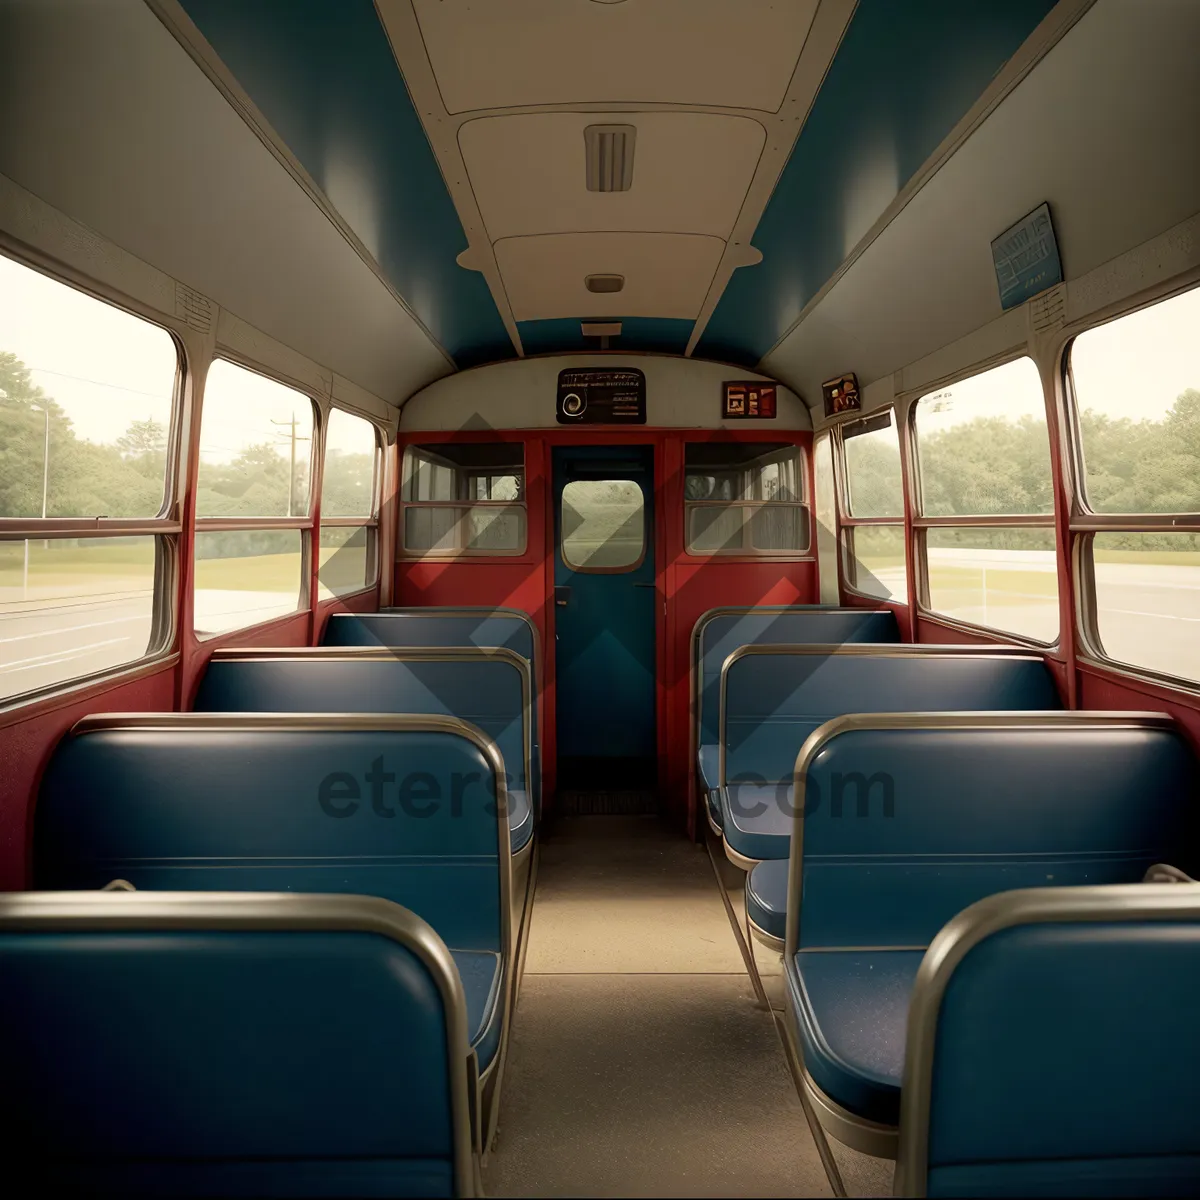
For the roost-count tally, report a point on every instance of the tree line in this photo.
(126, 478)
(990, 466)
(987, 466)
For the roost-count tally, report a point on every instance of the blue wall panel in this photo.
(325, 77)
(903, 77)
(666, 335)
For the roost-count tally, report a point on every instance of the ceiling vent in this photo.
(609, 154)
(604, 283)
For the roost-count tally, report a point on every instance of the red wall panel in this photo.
(28, 740)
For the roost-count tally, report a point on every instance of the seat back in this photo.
(488, 688)
(774, 697)
(412, 809)
(229, 1044)
(721, 631)
(1053, 1048)
(902, 822)
(505, 627)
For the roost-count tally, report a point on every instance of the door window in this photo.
(603, 525)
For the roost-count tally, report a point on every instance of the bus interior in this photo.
(600, 597)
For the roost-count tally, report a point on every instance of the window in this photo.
(87, 413)
(349, 489)
(873, 527)
(1136, 386)
(252, 500)
(987, 506)
(744, 498)
(603, 525)
(464, 498)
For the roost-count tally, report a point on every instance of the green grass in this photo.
(1154, 558)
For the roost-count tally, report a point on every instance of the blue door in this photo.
(604, 601)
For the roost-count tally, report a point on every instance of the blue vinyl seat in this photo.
(1053, 1048)
(488, 690)
(720, 632)
(506, 628)
(951, 810)
(230, 1044)
(775, 697)
(403, 808)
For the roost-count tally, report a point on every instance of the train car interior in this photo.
(599, 597)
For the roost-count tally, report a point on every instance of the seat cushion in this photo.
(482, 979)
(520, 819)
(707, 764)
(851, 1010)
(766, 896)
(713, 800)
(757, 819)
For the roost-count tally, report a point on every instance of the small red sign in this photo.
(749, 400)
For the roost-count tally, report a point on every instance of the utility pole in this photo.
(45, 492)
(291, 462)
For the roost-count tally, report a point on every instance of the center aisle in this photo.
(639, 1063)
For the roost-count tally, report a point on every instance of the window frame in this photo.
(848, 522)
(1084, 523)
(370, 523)
(460, 552)
(166, 526)
(921, 523)
(804, 487)
(307, 525)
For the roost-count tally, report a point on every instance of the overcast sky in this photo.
(106, 369)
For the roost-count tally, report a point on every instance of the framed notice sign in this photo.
(1026, 258)
(754, 399)
(600, 396)
(841, 395)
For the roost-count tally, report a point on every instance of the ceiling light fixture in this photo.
(608, 153)
(604, 283)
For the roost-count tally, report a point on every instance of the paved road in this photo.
(67, 639)
(1148, 615)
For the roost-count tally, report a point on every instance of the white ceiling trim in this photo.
(442, 127)
(173, 16)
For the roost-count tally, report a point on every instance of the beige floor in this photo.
(640, 1062)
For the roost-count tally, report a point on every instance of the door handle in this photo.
(649, 585)
(561, 596)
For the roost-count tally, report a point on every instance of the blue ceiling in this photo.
(324, 76)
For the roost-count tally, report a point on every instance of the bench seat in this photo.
(231, 1044)
(520, 820)
(707, 768)
(756, 820)
(766, 898)
(977, 806)
(851, 1008)
(482, 978)
(776, 697)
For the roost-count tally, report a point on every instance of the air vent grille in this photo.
(604, 283)
(609, 155)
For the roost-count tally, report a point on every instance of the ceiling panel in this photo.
(904, 75)
(666, 274)
(690, 173)
(1084, 131)
(733, 53)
